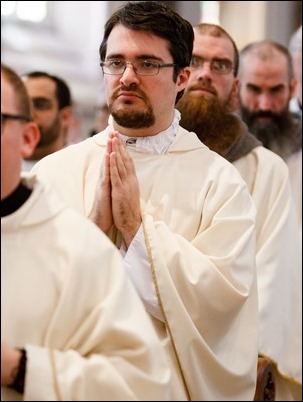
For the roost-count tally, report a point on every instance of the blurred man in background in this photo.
(51, 110)
(267, 84)
(209, 108)
(295, 49)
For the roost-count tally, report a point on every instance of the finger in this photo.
(119, 159)
(114, 172)
(126, 157)
(106, 169)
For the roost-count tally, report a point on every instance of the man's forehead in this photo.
(137, 42)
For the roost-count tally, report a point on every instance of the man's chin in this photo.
(198, 93)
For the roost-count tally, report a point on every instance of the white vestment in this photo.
(279, 266)
(294, 163)
(66, 298)
(199, 227)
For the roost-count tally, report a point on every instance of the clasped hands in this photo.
(117, 197)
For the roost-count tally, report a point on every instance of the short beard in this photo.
(132, 119)
(49, 135)
(211, 120)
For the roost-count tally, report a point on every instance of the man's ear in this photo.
(183, 78)
(66, 115)
(31, 137)
(292, 87)
(233, 104)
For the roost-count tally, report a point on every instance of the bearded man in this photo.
(209, 108)
(52, 110)
(267, 86)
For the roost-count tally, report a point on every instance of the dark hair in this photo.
(218, 32)
(264, 50)
(63, 94)
(20, 92)
(157, 19)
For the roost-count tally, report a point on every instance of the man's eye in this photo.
(221, 65)
(42, 103)
(147, 65)
(196, 62)
(115, 63)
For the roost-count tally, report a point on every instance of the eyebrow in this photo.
(141, 57)
(258, 88)
(213, 59)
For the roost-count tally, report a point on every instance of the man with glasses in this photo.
(208, 108)
(52, 110)
(66, 333)
(9, 116)
(180, 214)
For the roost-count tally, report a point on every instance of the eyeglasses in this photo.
(7, 116)
(144, 67)
(217, 66)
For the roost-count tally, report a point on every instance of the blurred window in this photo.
(34, 11)
(210, 12)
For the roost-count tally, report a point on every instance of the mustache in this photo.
(130, 88)
(202, 85)
(264, 113)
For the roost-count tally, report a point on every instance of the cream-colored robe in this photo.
(198, 220)
(279, 266)
(66, 297)
(294, 163)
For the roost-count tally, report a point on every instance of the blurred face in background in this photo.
(18, 139)
(212, 90)
(265, 92)
(296, 54)
(45, 107)
(205, 81)
(265, 86)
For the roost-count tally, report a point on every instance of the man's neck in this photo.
(44, 150)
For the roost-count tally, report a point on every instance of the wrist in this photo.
(18, 372)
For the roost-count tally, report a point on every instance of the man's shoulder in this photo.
(67, 158)
(270, 157)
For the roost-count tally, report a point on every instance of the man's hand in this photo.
(124, 190)
(101, 213)
(10, 359)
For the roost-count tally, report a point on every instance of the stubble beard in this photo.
(49, 135)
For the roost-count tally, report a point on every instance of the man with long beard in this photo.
(267, 86)
(208, 108)
(51, 110)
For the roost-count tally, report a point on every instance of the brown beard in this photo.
(211, 120)
(48, 135)
(133, 119)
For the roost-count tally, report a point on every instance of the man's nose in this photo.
(264, 102)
